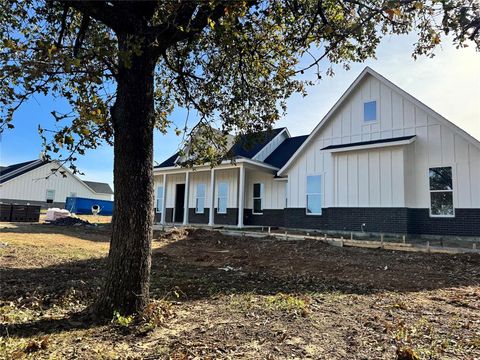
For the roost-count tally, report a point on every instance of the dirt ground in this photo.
(215, 296)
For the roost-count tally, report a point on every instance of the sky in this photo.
(449, 84)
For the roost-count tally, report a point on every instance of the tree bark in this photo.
(126, 287)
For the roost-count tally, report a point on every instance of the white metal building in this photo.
(34, 182)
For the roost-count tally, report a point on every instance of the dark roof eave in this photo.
(371, 142)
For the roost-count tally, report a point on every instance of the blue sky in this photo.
(449, 83)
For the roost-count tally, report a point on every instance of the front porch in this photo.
(205, 196)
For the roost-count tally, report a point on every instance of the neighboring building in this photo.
(379, 161)
(34, 182)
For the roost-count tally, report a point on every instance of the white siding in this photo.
(395, 177)
(33, 185)
(271, 146)
(274, 190)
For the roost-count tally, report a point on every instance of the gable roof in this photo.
(285, 150)
(369, 71)
(169, 162)
(249, 145)
(99, 187)
(245, 146)
(12, 171)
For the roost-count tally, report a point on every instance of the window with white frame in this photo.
(200, 198)
(314, 195)
(441, 191)
(50, 196)
(222, 198)
(257, 198)
(370, 111)
(159, 199)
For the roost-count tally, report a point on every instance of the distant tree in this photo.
(124, 66)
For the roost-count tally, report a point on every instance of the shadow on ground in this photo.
(199, 265)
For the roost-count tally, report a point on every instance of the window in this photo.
(222, 198)
(50, 196)
(200, 199)
(159, 199)
(441, 191)
(257, 198)
(314, 195)
(286, 195)
(370, 111)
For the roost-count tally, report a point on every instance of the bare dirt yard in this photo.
(216, 297)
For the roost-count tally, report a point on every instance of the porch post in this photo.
(241, 195)
(164, 200)
(186, 200)
(212, 197)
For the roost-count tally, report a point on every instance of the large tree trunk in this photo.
(126, 288)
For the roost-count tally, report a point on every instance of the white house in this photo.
(34, 182)
(379, 161)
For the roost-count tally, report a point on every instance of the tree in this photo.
(123, 66)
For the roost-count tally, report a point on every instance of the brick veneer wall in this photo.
(194, 218)
(465, 223)
(387, 220)
(230, 218)
(270, 217)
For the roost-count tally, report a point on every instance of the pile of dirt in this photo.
(69, 221)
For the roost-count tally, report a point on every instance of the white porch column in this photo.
(212, 197)
(164, 200)
(241, 195)
(187, 195)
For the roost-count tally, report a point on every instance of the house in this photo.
(33, 182)
(379, 161)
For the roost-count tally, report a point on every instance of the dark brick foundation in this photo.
(230, 218)
(386, 220)
(270, 217)
(465, 223)
(194, 218)
(381, 220)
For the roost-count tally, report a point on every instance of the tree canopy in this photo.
(234, 63)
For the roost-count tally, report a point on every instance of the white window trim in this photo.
(453, 191)
(223, 197)
(200, 197)
(158, 209)
(319, 193)
(262, 190)
(46, 195)
(368, 122)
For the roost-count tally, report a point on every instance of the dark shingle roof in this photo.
(246, 146)
(169, 162)
(249, 145)
(10, 172)
(98, 187)
(284, 151)
(361, 143)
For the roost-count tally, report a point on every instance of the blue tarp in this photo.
(83, 206)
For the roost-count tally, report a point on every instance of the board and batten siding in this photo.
(274, 190)
(437, 144)
(33, 186)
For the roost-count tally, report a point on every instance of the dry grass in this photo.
(220, 297)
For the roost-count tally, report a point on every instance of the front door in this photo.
(179, 202)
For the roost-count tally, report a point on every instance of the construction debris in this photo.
(69, 221)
